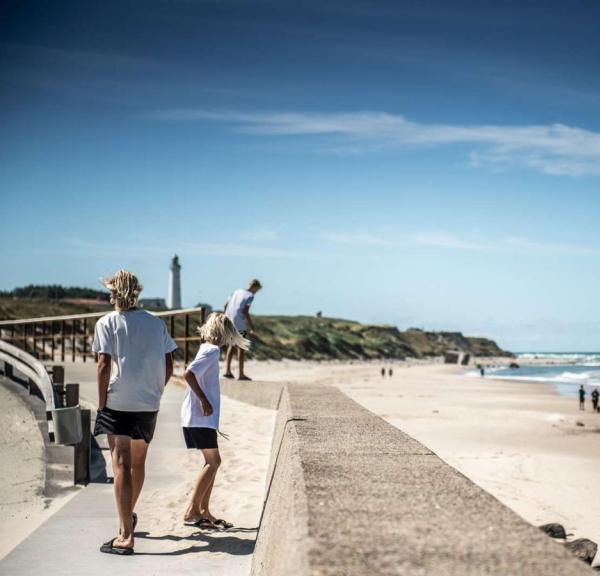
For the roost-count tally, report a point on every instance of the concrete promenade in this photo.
(68, 542)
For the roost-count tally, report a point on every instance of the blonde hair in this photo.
(124, 289)
(220, 329)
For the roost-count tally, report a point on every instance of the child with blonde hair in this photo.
(200, 413)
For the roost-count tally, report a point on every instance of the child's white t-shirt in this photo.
(205, 368)
(137, 342)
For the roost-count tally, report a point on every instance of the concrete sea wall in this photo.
(349, 494)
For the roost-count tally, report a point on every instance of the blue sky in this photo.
(421, 163)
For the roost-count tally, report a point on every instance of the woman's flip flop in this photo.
(223, 524)
(109, 548)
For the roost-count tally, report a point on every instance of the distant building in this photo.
(174, 300)
(207, 307)
(152, 303)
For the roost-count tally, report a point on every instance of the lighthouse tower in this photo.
(174, 301)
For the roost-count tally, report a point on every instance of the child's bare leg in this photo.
(204, 483)
(204, 503)
(228, 359)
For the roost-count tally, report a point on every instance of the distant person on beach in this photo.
(237, 309)
(383, 372)
(595, 395)
(138, 345)
(200, 414)
(581, 398)
(390, 372)
(482, 371)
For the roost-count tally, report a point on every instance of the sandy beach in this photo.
(518, 440)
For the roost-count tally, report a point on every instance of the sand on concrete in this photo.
(238, 494)
(239, 490)
(24, 503)
(518, 440)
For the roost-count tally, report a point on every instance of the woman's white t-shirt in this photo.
(205, 368)
(137, 342)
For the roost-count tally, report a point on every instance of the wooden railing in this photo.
(69, 338)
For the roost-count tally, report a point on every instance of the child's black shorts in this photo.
(136, 425)
(200, 438)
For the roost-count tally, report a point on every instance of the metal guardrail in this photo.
(32, 369)
(69, 337)
(68, 425)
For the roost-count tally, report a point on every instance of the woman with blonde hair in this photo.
(200, 413)
(137, 345)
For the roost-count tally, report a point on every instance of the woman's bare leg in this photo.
(120, 450)
(139, 451)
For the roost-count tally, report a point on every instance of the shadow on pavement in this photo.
(222, 543)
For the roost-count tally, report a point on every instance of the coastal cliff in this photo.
(301, 337)
(307, 337)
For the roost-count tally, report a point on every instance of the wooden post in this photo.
(186, 344)
(172, 323)
(59, 390)
(8, 370)
(73, 343)
(24, 337)
(52, 343)
(202, 315)
(58, 374)
(71, 394)
(62, 340)
(34, 340)
(82, 452)
(85, 339)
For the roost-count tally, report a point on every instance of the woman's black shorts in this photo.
(136, 425)
(200, 438)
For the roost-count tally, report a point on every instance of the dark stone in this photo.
(554, 530)
(583, 548)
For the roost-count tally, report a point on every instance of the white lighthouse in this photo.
(174, 301)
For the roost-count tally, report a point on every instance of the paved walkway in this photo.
(68, 542)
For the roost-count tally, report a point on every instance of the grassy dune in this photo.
(302, 337)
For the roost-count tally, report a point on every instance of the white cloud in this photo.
(261, 235)
(357, 238)
(555, 149)
(232, 249)
(551, 248)
(441, 239)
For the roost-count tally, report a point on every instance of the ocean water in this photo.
(566, 371)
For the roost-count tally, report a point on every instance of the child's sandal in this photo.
(206, 523)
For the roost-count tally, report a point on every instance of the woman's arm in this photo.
(168, 367)
(103, 378)
(190, 378)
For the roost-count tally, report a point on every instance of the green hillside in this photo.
(301, 337)
(308, 337)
